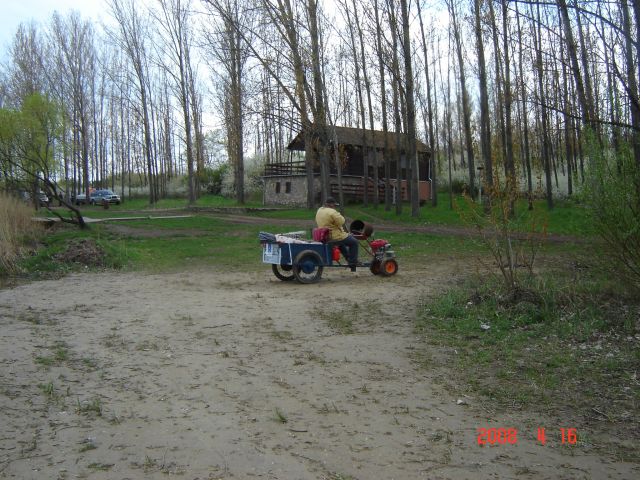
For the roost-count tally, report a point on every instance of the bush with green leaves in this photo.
(212, 178)
(513, 239)
(612, 192)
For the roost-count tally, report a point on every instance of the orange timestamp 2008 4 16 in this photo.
(509, 436)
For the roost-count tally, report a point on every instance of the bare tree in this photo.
(383, 100)
(411, 152)
(631, 79)
(227, 46)
(432, 137)
(173, 19)
(75, 56)
(466, 108)
(358, 65)
(26, 74)
(132, 37)
(542, 101)
(485, 124)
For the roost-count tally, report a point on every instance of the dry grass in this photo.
(16, 230)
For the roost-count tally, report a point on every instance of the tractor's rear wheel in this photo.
(375, 267)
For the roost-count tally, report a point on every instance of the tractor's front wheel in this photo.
(389, 267)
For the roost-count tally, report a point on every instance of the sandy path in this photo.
(190, 371)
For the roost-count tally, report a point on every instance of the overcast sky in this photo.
(15, 12)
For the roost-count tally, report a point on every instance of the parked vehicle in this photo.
(80, 199)
(43, 199)
(100, 196)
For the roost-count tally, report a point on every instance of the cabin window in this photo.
(277, 187)
(287, 187)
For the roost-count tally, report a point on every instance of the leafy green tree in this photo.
(29, 138)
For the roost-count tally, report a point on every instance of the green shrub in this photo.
(459, 186)
(213, 178)
(612, 193)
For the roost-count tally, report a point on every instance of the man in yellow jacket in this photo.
(328, 217)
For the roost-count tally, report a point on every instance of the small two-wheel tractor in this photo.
(304, 261)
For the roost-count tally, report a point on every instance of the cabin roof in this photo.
(353, 136)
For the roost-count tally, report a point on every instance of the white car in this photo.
(100, 196)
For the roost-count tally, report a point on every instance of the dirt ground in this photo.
(216, 375)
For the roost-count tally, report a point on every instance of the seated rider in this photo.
(328, 217)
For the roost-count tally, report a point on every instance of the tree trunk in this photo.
(485, 121)
(575, 65)
(523, 115)
(383, 103)
(510, 166)
(546, 154)
(363, 123)
(412, 158)
(466, 113)
(632, 84)
(319, 113)
(430, 132)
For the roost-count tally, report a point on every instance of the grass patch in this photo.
(279, 416)
(31, 316)
(191, 242)
(45, 361)
(90, 363)
(282, 335)
(340, 476)
(568, 217)
(147, 345)
(100, 467)
(48, 389)
(70, 249)
(340, 321)
(91, 407)
(353, 317)
(113, 340)
(559, 344)
(87, 447)
(52, 394)
(60, 355)
(142, 204)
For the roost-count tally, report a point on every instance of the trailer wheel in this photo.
(283, 272)
(308, 266)
(389, 267)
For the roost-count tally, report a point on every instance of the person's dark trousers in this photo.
(349, 249)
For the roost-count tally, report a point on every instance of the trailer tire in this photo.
(283, 272)
(308, 266)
